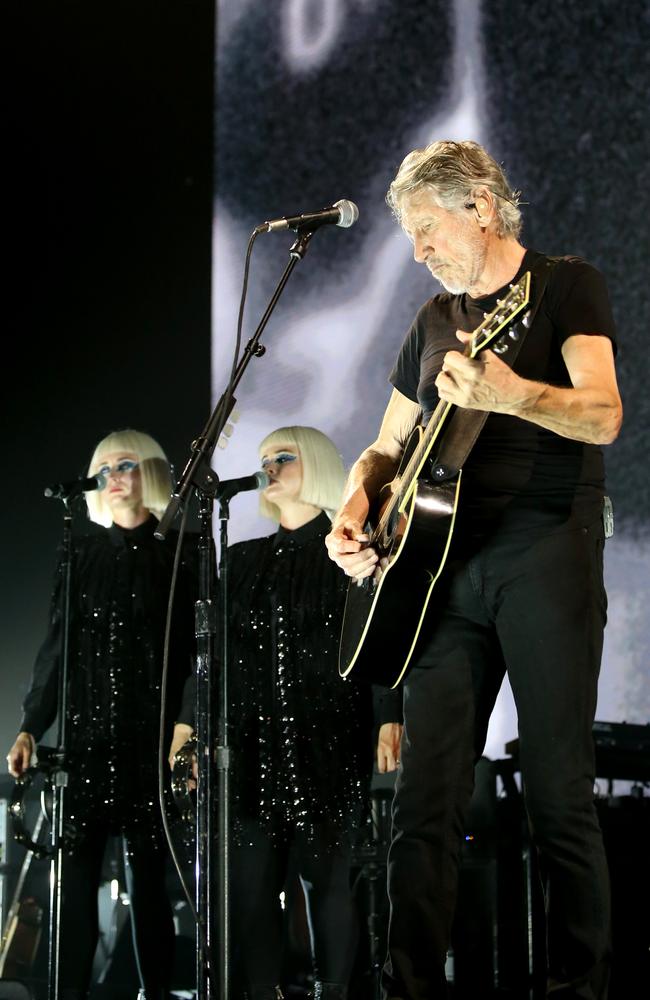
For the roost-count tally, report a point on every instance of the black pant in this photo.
(151, 914)
(259, 874)
(536, 608)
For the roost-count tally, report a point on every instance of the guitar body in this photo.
(382, 621)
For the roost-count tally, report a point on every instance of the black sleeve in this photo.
(187, 710)
(405, 376)
(41, 702)
(580, 301)
(387, 705)
(183, 693)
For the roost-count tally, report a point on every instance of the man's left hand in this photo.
(482, 383)
(388, 747)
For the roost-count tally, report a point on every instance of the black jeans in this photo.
(535, 607)
(259, 874)
(152, 920)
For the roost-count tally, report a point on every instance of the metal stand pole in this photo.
(59, 775)
(223, 763)
(205, 628)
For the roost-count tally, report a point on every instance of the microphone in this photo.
(230, 487)
(342, 213)
(65, 491)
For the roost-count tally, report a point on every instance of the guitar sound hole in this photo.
(391, 527)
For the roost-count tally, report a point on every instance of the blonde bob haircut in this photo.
(323, 472)
(452, 172)
(155, 473)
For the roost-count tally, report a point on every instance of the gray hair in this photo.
(452, 171)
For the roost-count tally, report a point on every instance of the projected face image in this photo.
(338, 327)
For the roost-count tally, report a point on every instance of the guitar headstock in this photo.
(502, 315)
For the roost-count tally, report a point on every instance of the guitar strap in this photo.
(465, 426)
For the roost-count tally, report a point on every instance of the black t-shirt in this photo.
(518, 474)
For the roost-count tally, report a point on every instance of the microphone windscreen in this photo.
(348, 213)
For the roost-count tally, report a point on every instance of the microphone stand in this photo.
(200, 477)
(58, 775)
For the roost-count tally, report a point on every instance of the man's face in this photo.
(451, 244)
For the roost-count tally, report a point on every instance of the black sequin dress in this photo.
(301, 736)
(120, 590)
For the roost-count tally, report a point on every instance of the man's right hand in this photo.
(347, 546)
(374, 470)
(20, 756)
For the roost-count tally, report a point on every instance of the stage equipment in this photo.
(488, 953)
(22, 918)
(622, 751)
(622, 754)
(369, 860)
(14, 989)
(498, 948)
(54, 762)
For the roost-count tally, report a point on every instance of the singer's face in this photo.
(450, 244)
(283, 466)
(123, 488)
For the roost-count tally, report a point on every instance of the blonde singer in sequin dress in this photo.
(119, 593)
(301, 736)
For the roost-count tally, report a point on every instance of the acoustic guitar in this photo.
(413, 528)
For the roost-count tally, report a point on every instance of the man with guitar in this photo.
(517, 564)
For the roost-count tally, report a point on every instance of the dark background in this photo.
(109, 143)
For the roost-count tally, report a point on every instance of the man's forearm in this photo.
(588, 415)
(368, 475)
